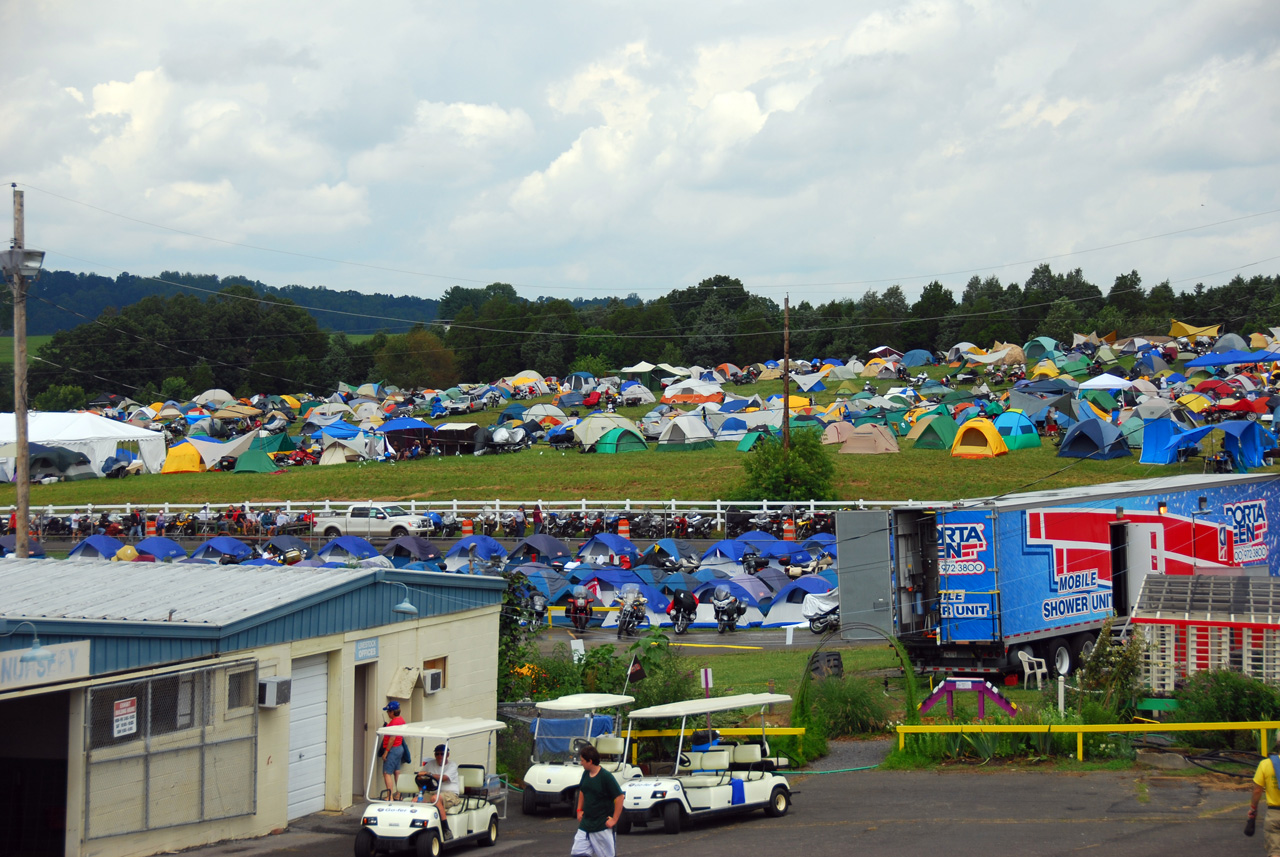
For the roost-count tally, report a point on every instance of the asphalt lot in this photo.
(965, 813)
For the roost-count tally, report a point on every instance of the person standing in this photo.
(392, 750)
(537, 518)
(599, 808)
(519, 518)
(1264, 782)
(161, 523)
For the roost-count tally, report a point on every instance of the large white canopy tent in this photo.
(97, 437)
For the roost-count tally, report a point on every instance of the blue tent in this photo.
(730, 548)
(220, 546)
(746, 587)
(680, 580)
(487, 548)
(917, 357)
(407, 549)
(340, 429)
(262, 560)
(1093, 438)
(96, 546)
(546, 580)
(399, 424)
(1161, 440)
(513, 411)
(540, 548)
(1244, 440)
(710, 572)
(609, 544)
(648, 575)
(34, 549)
(161, 548)
(285, 542)
(669, 550)
(344, 547)
(756, 537)
(834, 361)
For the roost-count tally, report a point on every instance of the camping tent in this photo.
(621, 439)
(978, 438)
(685, 432)
(1093, 438)
(1017, 430)
(870, 439)
(96, 437)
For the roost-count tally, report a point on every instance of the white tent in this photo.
(97, 437)
(1106, 382)
(685, 429)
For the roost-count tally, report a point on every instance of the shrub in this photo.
(1217, 696)
(1114, 675)
(803, 472)
(848, 706)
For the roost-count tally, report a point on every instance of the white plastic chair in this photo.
(1033, 666)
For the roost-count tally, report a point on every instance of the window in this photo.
(359, 512)
(240, 690)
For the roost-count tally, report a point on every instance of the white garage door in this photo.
(308, 722)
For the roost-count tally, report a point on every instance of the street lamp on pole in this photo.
(1202, 507)
(19, 265)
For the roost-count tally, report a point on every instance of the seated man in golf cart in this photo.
(439, 780)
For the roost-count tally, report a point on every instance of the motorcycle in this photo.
(680, 527)
(699, 527)
(579, 607)
(631, 611)
(822, 610)
(510, 528)
(449, 526)
(593, 524)
(683, 608)
(728, 609)
(488, 522)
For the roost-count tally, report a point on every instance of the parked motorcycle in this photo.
(488, 522)
(683, 608)
(631, 610)
(822, 610)
(510, 528)
(449, 525)
(700, 526)
(728, 609)
(579, 607)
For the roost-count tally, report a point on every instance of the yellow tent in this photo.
(978, 438)
(794, 402)
(293, 403)
(1259, 340)
(1045, 369)
(1177, 329)
(183, 458)
(872, 368)
(1195, 401)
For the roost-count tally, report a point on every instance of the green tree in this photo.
(590, 363)
(804, 472)
(201, 378)
(1063, 320)
(927, 314)
(177, 390)
(59, 397)
(416, 359)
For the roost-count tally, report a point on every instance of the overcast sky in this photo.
(818, 149)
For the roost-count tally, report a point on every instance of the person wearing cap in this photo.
(392, 750)
(448, 792)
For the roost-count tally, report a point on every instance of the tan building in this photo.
(169, 705)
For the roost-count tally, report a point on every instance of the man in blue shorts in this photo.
(392, 750)
(599, 808)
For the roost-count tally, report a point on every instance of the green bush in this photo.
(1219, 696)
(1114, 675)
(803, 472)
(849, 706)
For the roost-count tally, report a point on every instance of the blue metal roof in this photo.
(147, 614)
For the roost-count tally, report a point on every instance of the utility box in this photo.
(432, 681)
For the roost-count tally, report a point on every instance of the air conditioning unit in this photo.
(432, 680)
(274, 692)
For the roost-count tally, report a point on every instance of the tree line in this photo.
(246, 340)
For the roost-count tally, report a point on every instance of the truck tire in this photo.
(398, 532)
(366, 842)
(332, 532)
(1082, 645)
(1060, 657)
(671, 818)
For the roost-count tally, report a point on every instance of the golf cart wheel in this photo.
(428, 843)
(529, 802)
(671, 818)
(399, 532)
(624, 823)
(366, 843)
(490, 836)
(779, 803)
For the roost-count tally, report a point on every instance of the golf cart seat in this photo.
(750, 757)
(406, 785)
(611, 749)
(472, 779)
(710, 769)
(690, 761)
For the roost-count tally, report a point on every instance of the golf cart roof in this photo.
(585, 702)
(444, 729)
(690, 707)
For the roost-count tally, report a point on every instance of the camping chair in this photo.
(1033, 666)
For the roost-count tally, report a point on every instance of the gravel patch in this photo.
(845, 754)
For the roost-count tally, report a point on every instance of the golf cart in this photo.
(720, 779)
(556, 770)
(411, 822)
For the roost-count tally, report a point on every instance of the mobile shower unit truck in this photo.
(966, 586)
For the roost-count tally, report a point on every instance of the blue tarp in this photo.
(1244, 440)
(398, 424)
(555, 735)
(1161, 440)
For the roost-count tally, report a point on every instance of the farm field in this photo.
(34, 344)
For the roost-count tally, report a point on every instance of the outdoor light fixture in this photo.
(37, 653)
(25, 263)
(405, 607)
(1119, 513)
(1163, 507)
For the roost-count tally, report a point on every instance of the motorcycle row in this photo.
(571, 525)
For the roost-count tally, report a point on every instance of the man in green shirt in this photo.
(599, 808)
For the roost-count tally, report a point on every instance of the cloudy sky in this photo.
(816, 149)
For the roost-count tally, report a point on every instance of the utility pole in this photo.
(23, 462)
(786, 374)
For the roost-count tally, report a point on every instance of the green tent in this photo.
(940, 433)
(621, 440)
(751, 439)
(956, 397)
(255, 460)
(1076, 367)
(1101, 398)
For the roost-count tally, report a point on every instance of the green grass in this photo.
(750, 672)
(34, 344)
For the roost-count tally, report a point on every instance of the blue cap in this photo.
(392, 706)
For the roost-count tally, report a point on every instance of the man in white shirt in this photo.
(446, 774)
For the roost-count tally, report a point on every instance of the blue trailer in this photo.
(969, 585)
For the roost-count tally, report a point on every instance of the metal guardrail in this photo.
(1261, 726)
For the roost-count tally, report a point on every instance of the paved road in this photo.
(958, 813)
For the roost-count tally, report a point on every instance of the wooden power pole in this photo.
(786, 373)
(22, 477)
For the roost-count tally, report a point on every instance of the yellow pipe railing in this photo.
(1260, 726)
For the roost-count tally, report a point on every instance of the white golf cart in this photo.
(394, 825)
(722, 779)
(554, 777)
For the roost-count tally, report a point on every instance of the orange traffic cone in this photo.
(624, 529)
(466, 528)
(789, 530)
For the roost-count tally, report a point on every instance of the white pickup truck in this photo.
(373, 520)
